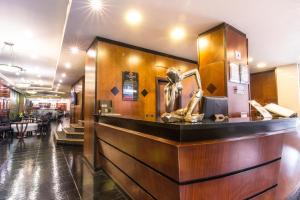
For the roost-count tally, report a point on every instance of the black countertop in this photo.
(205, 130)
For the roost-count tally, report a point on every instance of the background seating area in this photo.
(36, 125)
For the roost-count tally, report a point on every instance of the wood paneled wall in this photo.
(90, 107)
(216, 49)
(211, 57)
(264, 87)
(76, 111)
(113, 59)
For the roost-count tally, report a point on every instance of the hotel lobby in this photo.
(144, 100)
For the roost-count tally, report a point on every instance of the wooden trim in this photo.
(267, 194)
(269, 70)
(215, 28)
(228, 26)
(101, 39)
(226, 66)
(222, 25)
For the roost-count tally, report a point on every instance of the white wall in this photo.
(288, 86)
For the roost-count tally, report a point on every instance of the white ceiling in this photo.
(36, 29)
(272, 27)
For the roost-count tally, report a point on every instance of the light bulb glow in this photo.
(96, 5)
(68, 65)
(261, 65)
(177, 33)
(203, 42)
(133, 17)
(133, 60)
(74, 50)
(92, 53)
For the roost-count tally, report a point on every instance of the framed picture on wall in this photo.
(130, 86)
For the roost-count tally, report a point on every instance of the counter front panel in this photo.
(208, 160)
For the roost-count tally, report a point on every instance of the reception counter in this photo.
(235, 159)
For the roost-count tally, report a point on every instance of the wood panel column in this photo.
(217, 48)
(90, 106)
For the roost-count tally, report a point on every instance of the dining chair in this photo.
(21, 130)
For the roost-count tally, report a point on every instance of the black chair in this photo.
(44, 125)
(5, 129)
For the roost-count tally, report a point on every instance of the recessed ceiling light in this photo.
(68, 65)
(60, 81)
(133, 17)
(74, 50)
(250, 60)
(18, 73)
(92, 53)
(96, 4)
(177, 33)
(63, 75)
(261, 65)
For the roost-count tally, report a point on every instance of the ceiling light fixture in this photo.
(250, 60)
(133, 17)
(63, 75)
(60, 81)
(74, 50)
(68, 65)
(10, 67)
(96, 5)
(31, 91)
(261, 65)
(177, 33)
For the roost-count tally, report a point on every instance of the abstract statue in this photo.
(173, 89)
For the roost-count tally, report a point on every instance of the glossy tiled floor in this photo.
(40, 170)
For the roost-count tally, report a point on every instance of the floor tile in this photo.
(41, 170)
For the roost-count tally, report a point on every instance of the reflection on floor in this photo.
(40, 170)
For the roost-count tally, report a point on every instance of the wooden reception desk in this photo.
(236, 159)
